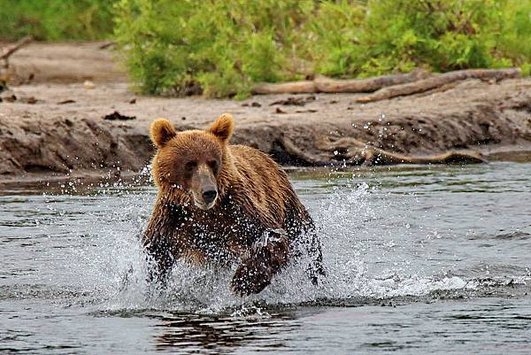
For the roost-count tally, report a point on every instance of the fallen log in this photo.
(292, 87)
(351, 151)
(328, 85)
(375, 156)
(438, 81)
(297, 156)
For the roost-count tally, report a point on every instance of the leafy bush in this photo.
(55, 19)
(442, 35)
(224, 47)
(331, 36)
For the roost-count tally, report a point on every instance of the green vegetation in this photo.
(53, 20)
(174, 47)
(444, 35)
(226, 46)
(223, 45)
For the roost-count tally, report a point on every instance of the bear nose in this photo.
(209, 195)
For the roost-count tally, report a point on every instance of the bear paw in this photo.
(251, 277)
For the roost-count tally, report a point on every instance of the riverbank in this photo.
(74, 112)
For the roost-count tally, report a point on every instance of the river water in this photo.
(419, 259)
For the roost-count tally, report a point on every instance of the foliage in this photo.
(55, 19)
(331, 36)
(443, 35)
(174, 47)
(226, 46)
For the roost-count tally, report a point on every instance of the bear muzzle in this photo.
(204, 191)
(207, 200)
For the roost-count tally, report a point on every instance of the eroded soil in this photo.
(56, 123)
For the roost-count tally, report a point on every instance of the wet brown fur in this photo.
(255, 198)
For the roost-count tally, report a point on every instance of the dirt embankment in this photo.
(56, 123)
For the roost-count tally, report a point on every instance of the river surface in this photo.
(419, 259)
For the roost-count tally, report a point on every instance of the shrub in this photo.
(442, 35)
(331, 36)
(55, 19)
(224, 47)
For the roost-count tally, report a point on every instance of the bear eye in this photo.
(189, 166)
(213, 165)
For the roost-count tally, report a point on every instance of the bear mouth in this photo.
(202, 205)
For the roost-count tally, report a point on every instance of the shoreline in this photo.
(56, 124)
(88, 179)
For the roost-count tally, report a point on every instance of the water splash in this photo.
(375, 247)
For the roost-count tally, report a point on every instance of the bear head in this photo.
(188, 164)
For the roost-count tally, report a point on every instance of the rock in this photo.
(8, 96)
(117, 116)
(89, 84)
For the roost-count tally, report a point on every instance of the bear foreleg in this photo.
(315, 269)
(266, 258)
(160, 263)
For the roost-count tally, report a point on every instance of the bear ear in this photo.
(162, 131)
(222, 127)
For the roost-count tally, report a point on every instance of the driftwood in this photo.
(438, 81)
(352, 152)
(107, 44)
(4, 61)
(388, 86)
(376, 156)
(292, 87)
(324, 84)
(328, 85)
(6, 52)
(297, 156)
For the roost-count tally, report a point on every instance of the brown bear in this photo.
(221, 204)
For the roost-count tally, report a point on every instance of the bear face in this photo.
(191, 162)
